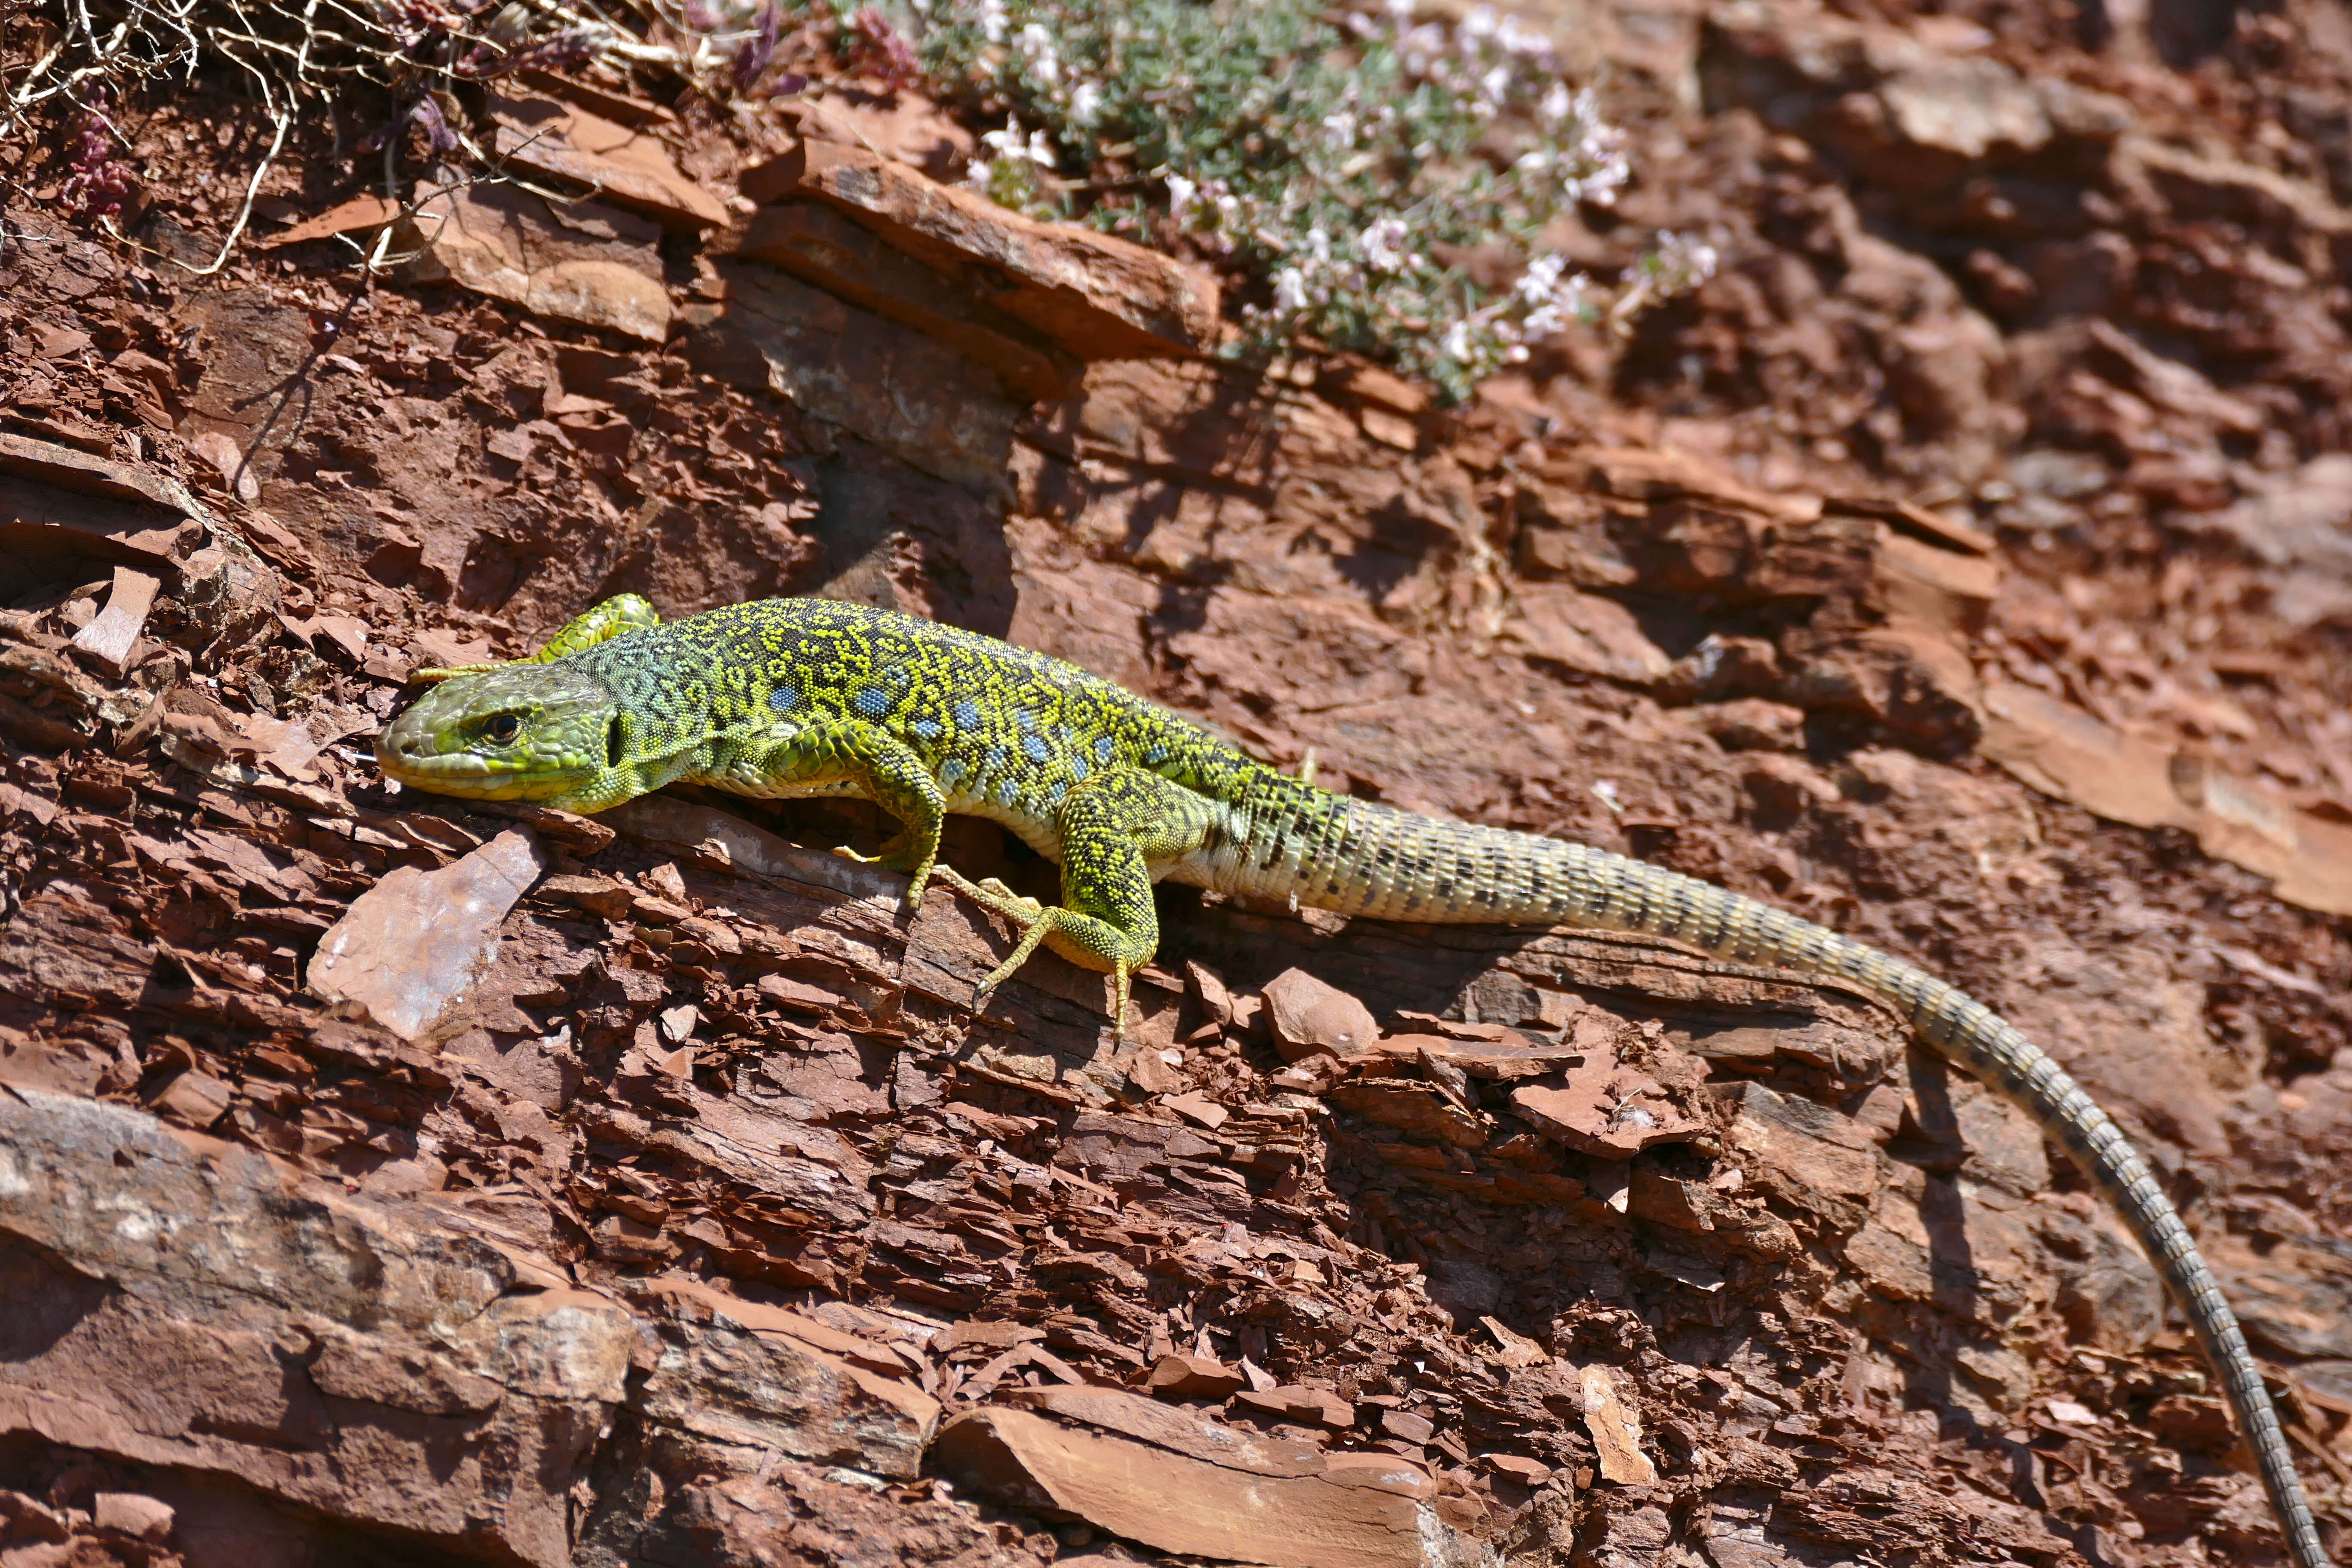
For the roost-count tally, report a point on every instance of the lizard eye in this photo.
(503, 729)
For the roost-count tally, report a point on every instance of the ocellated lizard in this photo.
(800, 697)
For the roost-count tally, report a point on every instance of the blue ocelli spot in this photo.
(967, 713)
(1104, 746)
(1037, 749)
(952, 771)
(927, 729)
(1078, 770)
(871, 703)
(1053, 796)
(783, 699)
(996, 755)
(1026, 720)
(1156, 755)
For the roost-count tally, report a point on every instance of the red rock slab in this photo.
(1311, 1015)
(1174, 1428)
(114, 632)
(412, 945)
(56, 501)
(1099, 298)
(819, 245)
(1605, 1108)
(1616, 1430)
(1298, 1402)
(593, 264)
(621, 165)
(2064, 752)
(1174, 1503)
(360, 214)
(1193, 1376)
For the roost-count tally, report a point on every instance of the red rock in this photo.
(1389, 1472)
(1309, 1016)
(1583, 632)
(1177, 1430)
(1194, 1377)
(928, 404)
(1298, 1402)
(412, 945)
(1526, 1471)
(502, 241)
(133, 1513)
(1616, 1430)
(1605, 1108)
(1753, 724)
(1198, 1109)
(614, 163)
(1174, 1503)
(819, 245)
(360, 214)
(1405, 1425)
(196, 1097)
(111, 634)
(1097, 297)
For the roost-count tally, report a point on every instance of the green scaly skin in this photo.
(801, 697)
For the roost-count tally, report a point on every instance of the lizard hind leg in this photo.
(1112, 827)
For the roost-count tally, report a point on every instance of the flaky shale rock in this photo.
(354, 1364)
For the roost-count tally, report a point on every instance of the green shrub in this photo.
(1341, 165)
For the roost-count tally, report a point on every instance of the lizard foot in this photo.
(1035, 918)
(897, 855)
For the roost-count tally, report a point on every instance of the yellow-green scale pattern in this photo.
(800, 697)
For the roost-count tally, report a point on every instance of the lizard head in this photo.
(544, 732)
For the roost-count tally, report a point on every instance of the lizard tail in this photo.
(1371, 860)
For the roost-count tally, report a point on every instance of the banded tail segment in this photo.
(1371, 860)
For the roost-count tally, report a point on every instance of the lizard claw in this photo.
(897, 855)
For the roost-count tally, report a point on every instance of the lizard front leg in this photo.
(873, 764)
(624, 612)
(1112, 827)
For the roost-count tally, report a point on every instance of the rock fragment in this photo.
(1310, 1016)
(1174, 1503)
(413, 945)
(1097, 297)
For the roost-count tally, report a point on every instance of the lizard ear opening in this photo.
(615, 742)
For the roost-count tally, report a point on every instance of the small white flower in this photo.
(1493, 89)
(992, 20)
(1180, 192)
(1683, 262)
(1384, 246)
(1456, 344)
(982, 175)
(1318, 247)
(1480, 23)
(1555, 104)
(1289, 291)
(1007, 141)
(1038, 47)
(1400, 12)
(1541, 277)
(1340, 127)
(1041, 150)
(1523, 41)
(1086, 103)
